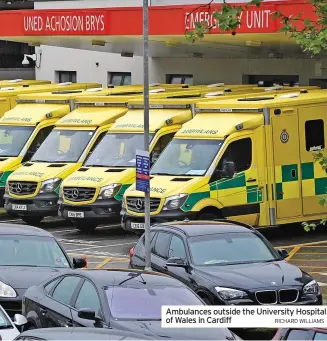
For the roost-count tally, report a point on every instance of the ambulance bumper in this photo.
(44, 205)
(99, 210)
(128, 220)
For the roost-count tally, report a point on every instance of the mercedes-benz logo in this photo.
(19, 187)
(139, 204)
(75, 193)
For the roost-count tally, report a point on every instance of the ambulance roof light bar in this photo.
(214, 94)
(8, 89)
(293, 95)
(15, 80)
(100, 104)
(216, 85)
(94, 89)
(65, 84)
(160, 106)
(42, 101)
(226, 110)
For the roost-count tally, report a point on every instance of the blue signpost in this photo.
(143, 171)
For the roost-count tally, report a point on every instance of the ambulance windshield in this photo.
(187, 157)
(63, 146)
(13, 139)
(117, 150)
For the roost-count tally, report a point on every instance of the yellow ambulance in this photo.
(21, 82)
(249, 159)
(32, 190)
(8, 95)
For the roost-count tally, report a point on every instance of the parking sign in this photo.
(143, 171)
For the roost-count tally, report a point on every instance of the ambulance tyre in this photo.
(32, 220)
(85, 226)
(209, 216)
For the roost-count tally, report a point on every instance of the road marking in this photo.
(98, 246)
(8, 221)
(322, 284)
(293, 252)
(313, 267)
(323, 273)
(304, 244)
(58, 231)
(102, 264)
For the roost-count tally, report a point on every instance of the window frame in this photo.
(154, 246)
(183, 242)
(227, 147)
(72, 75)
(320, 333)
(309, 333)
(75, 296)
(78, 286)
(305, 134)
(122, 75)
(170, 77)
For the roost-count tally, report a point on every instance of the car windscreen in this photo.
(117, 150)
(63, 145)
(21, 250)
(13, 139)
(230, 248)
(144, 302)
(187, 157)
(4, 321)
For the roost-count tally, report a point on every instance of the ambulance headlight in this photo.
(61, 192)
(174, 202)
(50, 185)
(312, 288)
(109, 191)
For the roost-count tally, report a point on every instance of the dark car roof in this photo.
(114, 276)
(83, 333)
(25, 230)
(201, 228)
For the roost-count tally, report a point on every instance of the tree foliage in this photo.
(310, 35)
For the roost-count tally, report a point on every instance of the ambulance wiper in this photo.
(160, 173)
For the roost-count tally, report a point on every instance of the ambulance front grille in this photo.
(136, 204)
(22, 187)
(79, 194)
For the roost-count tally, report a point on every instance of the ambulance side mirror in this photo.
(229, 169)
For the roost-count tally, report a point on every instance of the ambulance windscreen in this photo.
(117, 150)
(63, 146)
(13, 139)
(187, 157)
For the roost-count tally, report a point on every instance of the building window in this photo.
(314, 135)
(120, 78)
(66, 76)
(180, 79)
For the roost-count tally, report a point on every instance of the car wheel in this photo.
(85, 226)
(32, 220)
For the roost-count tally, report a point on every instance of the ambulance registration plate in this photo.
(137, 226)
(19, 207)
(75, 214)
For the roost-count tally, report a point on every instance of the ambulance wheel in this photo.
(32, 220)
(85, 226)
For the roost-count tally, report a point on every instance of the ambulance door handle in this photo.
(251, 180)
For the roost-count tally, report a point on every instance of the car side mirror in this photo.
(283, 253)
(79, 263)
(229, 169)
(20, 320)
(176, 262)
(87, 314)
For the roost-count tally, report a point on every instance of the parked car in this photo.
(301, 334)
(28, 255)
(10, 329)
(120, 299)
(226, 262)
(79, 334)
